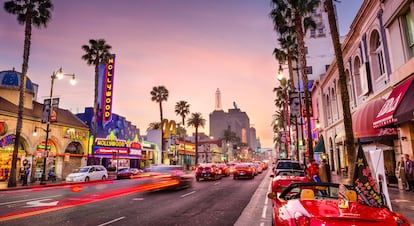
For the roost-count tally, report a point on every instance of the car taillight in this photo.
(301, 220)
(212, 169)
(249, 169)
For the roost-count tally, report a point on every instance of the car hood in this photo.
(76, 174)
(328, 210)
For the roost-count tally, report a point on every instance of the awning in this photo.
(362, 122)
(320, 146)
(405, 111)
(386, 114)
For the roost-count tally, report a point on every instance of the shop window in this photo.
(409, 29)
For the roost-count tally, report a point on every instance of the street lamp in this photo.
(59, 75)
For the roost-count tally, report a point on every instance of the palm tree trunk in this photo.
(162, 134)
(95, 108)
(302, 62)
(26, 53)
(196, 145)
(349, 134)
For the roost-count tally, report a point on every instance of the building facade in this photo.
(379, 66)
(67, 144)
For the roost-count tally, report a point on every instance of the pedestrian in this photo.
(324, 171)
(313, 169)
(400, 174)
(409, 172)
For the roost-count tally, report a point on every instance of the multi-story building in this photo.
(379, 66)
(61, 149)
(235, 120)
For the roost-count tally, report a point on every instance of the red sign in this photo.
(108, 89)
(385, 115)
(111, 151)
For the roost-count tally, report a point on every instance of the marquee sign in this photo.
(108, 89)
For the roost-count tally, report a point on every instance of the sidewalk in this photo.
(36, 184)
(401, 201)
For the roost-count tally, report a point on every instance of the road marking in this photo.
(26, 200)
(187, 194)
(261, 223)
(40, 202)
(112, 221)
(217, 183)
(138, 199)
(264, 212)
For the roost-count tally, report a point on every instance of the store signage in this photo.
(108, 89)
(111, 151)
(72, 133)
(111, 143)
(133, 151)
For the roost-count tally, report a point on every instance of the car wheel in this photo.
(197, 179)
(103, 177)
(86, 179)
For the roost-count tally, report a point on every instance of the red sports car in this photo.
(284, 178)
(327, 204)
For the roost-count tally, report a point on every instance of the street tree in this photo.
(196, 120)
(96, 52)
(29, 13)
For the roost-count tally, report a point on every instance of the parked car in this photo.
(225, 170)
(207, 171)
(327, 204)
(129, 173)
(244, 170)
(284, 178)
(87, 173)
(287, 165)
(172, 176)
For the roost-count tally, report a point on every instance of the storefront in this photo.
(116, 154)
(186, 154)
(6, 154)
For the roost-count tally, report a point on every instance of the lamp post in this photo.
(59, 75)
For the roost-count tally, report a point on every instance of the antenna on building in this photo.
(218, 100)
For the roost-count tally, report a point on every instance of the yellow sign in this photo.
(167, 126)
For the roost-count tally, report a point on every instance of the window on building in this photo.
(377, 55)
(306, 50)
(309, 70)
(312, 33)
(321, 31)
(409, 29)
(327, 67)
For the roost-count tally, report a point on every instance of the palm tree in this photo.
(196, 120)
(29, 13)
(298, 12)
(349, 141)
(154, 126)
(160, 94)
(182, 108)
(96, 52)
(229, 137)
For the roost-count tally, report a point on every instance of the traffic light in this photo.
(259, 149)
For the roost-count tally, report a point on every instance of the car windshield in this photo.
(81, 170)
(288, 165)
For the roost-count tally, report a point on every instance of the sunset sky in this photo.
(192, 47)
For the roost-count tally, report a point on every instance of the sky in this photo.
(192, 47)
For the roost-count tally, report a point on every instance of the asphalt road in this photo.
(126, 202)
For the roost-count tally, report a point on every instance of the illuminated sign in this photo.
(108, 89)
(111, 151)
(111, 143)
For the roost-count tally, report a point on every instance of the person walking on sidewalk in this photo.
(324, 171)
(409, 172)
(313, 170)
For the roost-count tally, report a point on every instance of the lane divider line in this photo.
(112, 221)
(182, 196)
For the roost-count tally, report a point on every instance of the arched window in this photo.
(357, 77)
(350, 87)
(334, 103)
(377, 55)
(328, 109)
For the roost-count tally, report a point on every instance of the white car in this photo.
(88, 173)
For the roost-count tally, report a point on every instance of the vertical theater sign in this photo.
(108, 86)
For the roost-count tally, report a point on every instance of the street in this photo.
(125, 202)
